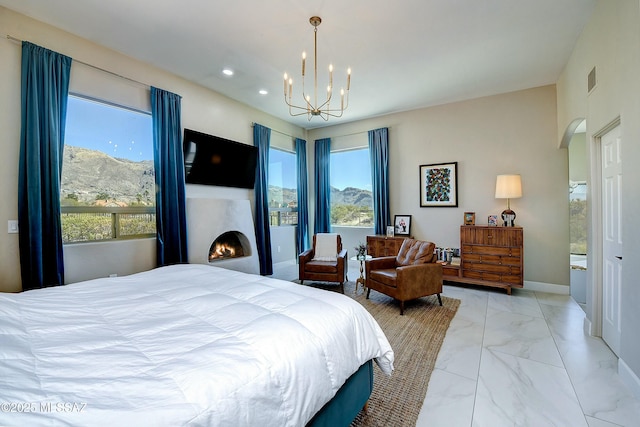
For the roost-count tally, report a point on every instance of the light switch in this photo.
(13, 226)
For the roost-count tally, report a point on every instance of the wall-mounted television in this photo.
(211, 160)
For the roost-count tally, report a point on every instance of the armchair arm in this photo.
(306, 256)
(413, 278)
(343, 265)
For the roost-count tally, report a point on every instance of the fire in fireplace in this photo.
(231, 244)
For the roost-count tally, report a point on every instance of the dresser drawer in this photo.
(493, 268)
(379, 246)
(491, 250)
(482, 275)
(448, 270)
(480, 258)
(490, 259)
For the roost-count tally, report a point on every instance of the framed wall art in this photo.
(439, 185)
(402, 225)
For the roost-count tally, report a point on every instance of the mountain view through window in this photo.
(351, 198)
(108, 184)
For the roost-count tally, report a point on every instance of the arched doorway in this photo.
(575, 142)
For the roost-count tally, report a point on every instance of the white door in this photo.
(612, 237)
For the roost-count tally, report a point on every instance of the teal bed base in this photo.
(348, 401)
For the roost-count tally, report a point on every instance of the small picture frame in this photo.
(492, 220)
(389, 230)
(402, 225)
(469, 218)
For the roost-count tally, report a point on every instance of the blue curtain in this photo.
(379, 152)
(303, 205)
(45, 89)
(323, 186)
(171, 218)
(261, 139)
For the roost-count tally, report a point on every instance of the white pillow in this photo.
(326, 246)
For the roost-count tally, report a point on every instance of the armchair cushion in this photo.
(387, 276)
(414, 252)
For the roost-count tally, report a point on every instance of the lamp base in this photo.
(509, 218)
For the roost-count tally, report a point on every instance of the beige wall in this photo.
(202, 110)
(611, 43)
(508, 133)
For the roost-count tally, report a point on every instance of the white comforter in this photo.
(181, 345)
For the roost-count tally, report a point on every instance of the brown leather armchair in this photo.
(324, 261)
(412, 274)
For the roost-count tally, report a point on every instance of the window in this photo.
(283, 188)
(351, 198)
(578, 218)
(108, 183)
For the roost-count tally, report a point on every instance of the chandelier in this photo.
(312, 107)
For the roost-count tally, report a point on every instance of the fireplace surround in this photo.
(213, 220)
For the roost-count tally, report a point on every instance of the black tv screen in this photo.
(211, 160)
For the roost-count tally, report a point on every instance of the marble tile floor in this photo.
(519, 360)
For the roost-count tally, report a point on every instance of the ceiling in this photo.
(404, 54)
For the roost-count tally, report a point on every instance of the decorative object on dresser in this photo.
(390, 232)
(508, 187)
(379, 246)
(411, 274)
(492, 220)
(489, 256)
(469, 218)
(402, 225)
(439, 185)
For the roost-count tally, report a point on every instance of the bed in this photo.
(183, 345)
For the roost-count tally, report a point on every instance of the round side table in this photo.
(360, 280)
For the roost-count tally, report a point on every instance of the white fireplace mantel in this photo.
(209, 218)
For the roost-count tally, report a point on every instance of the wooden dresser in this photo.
(379, 245)
(489, 256)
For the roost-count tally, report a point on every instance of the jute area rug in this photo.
(416, 338)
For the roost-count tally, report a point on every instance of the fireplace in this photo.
(221, 234)
(230, 244)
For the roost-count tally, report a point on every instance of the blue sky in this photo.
(348, 169)
(351, 169)
(116, 131)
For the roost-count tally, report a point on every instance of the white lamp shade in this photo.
(508, 187)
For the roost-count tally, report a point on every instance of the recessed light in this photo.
(227, 72)
(263, 92)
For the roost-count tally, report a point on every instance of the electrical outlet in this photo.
(278, 249)
(13, 226)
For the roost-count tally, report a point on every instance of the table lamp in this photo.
(508, 187)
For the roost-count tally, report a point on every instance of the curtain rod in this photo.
(16, 40)
(276, 131)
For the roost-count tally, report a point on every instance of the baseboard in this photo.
(546, 287)
(586, 326)
(629, 378)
